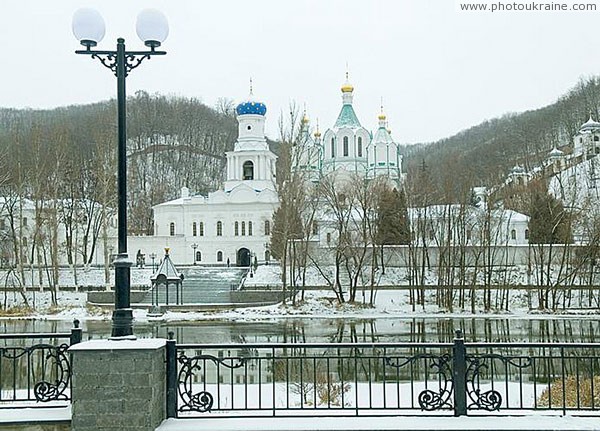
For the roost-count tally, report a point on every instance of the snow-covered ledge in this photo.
(118, 384)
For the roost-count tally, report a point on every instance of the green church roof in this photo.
(347, 118)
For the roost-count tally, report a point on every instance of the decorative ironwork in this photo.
(430, 400)
(490, 400)
(200, 401)
(109, 60)
(55, 358)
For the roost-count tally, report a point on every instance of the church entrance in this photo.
(243, 257)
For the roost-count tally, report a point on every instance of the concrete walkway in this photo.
(417, 423)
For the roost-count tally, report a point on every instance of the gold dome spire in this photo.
(305, 120)
(347, 87)
(317, 133)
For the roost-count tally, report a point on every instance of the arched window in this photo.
(248, 170)
(236, 227)
(198, 256)
(359, 149)
(513, 234)
(596, 138)
(328, 237)
(345, 146)
(219, 256)
(332, 148)
(249, 228)
(315, 227)
(201, 228)
(24, 241)
(267, 255)
(243, 228)
(172, 229)
(194, 229)
(526, 233)
(219, 228)
(267, 227)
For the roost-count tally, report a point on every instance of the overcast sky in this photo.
(438, 70)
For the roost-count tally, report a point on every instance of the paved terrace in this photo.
(58, 419)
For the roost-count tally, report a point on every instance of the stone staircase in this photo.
(202, 286)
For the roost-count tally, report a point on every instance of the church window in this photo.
(513, 234)
(315, 227)
(526, 233)
(249, 127)
(596, 138)
(580, 140)
(194, 229)
(24, 221)
(172, 229)
(359, 146)
(328, 237)
(345, 146)
(267, 255)
(219, 256)
(248, 170)
(332, 148)
(201, 226)
(267, 227)
(236, 227)
(243, 228)
(249, 228)
(24, 241)
(219, 228)
(198, 256)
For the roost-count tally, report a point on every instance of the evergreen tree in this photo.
(549, 222)
(393, 226)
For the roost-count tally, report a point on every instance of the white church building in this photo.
(231, 226)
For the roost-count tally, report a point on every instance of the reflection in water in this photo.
(340, 330)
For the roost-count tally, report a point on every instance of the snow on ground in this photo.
(320, 303)
(533, 422)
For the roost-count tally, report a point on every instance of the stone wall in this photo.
(118, 385)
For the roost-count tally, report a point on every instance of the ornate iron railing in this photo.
(381, 378)
(36, 368)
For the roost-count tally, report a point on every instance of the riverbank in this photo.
(317, 303)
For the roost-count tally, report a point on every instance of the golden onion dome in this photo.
(317, 134)
(347, 88)
(381, 116)
(305, 119)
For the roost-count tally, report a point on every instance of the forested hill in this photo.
(484, 154)
(70, 152)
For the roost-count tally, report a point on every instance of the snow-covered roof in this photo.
(589, 125)
(167, 270)
(518, 169)
(556, 153)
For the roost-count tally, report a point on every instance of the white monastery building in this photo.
(231, 226)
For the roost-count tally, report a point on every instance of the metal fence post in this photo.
(459, 370)
(76, 333)
(171, 376)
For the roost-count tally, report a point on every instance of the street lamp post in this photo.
(153, 256)
(194, 247)
(251, 266)
(152, 29)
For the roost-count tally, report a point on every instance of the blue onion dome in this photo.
(251, 107)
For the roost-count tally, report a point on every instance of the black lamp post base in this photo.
(122, 324)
